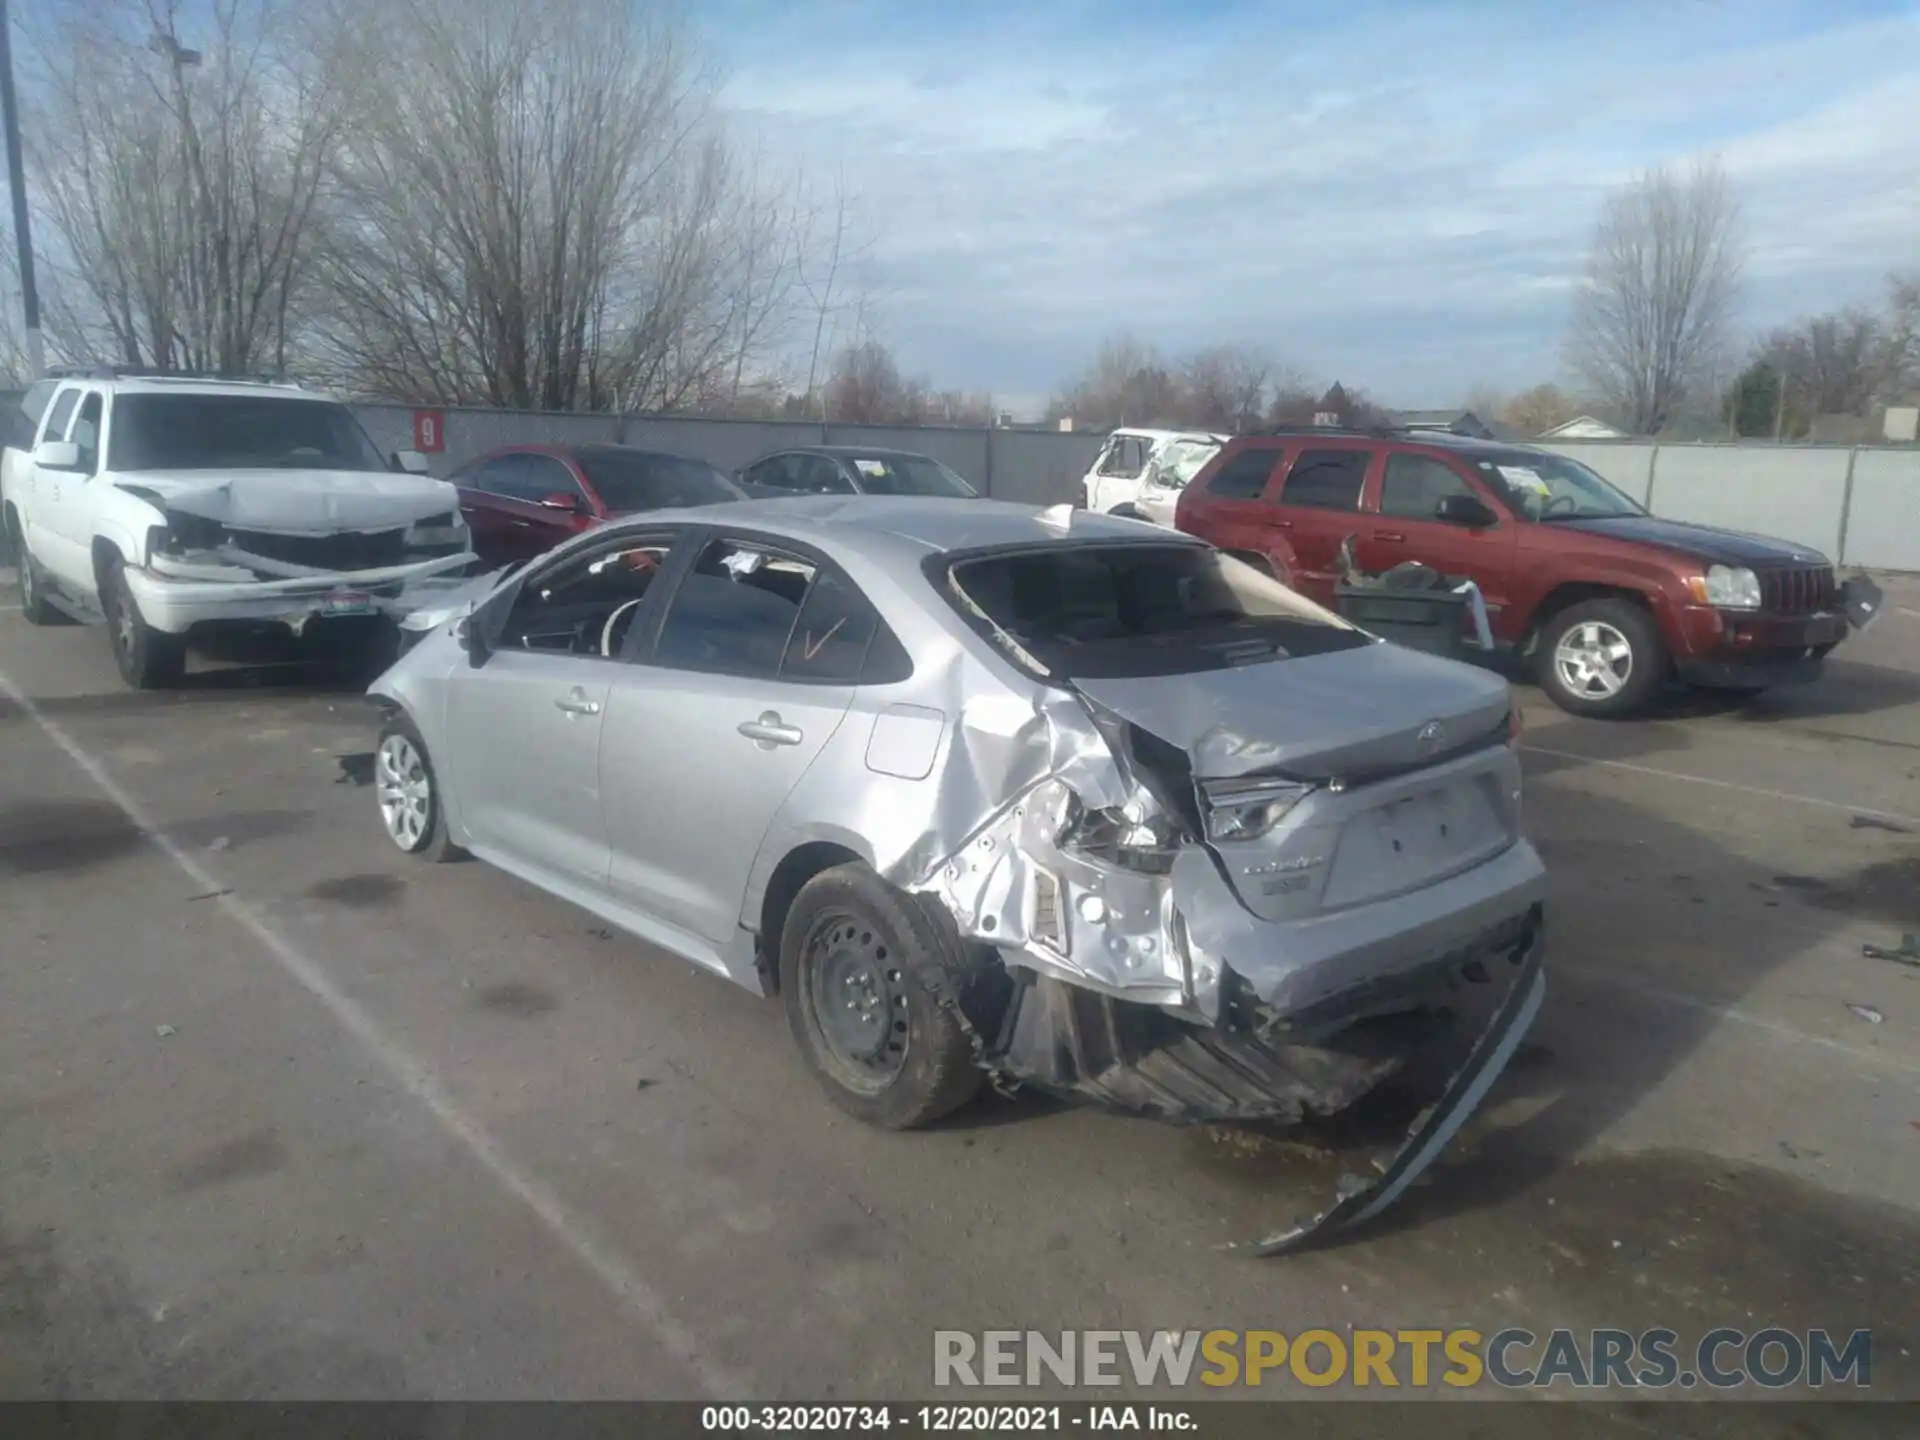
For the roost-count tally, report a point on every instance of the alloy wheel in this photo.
(405, 790)
(1593, 660)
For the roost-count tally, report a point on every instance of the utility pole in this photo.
(17, 180)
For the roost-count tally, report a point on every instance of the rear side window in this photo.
(1126, 457)
(1243, 476)
(1416, 484)
(830, 640)
(735, 611)
(1326, 479)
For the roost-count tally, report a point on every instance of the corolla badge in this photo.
(1431, 734)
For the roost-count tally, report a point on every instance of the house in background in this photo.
(1583, 427)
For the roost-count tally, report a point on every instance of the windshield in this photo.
(236, 432)
(1544, 487)
(641, 480)
(1118, 611)
(908, 475)
(1180, 460)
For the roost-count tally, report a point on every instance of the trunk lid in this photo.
(1385, 769)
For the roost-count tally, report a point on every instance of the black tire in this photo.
(847, 922)
(148, 658)
(425, 836)
(1635, 677)
(31, 581)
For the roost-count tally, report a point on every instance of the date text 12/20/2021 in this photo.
(943, 1419)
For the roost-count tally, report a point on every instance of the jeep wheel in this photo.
(869, 978)
(1601, 658)
(149, 659)
(32, 582)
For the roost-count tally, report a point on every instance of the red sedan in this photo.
(523, 500)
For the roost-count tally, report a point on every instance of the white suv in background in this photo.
(1122, 479)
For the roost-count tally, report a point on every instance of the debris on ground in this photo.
(355, 769)
(211, 894)
(1874, 822)
(164, 1030)
(219, 842)
(1907, 954)
(644, 1083)
(1867, 1013)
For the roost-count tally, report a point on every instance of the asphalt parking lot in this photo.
(283, 1113)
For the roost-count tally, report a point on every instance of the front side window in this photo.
(630, 480)
(236, 432)
(1326, 479)
(1541, 486)
(817, 475)
(587, 604)
(62, 412)
(776, 473)
(1112, 611)
(85, 432)
(1180, 460)
(1415, 485)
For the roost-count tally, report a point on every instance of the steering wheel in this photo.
(1568, 501)
(614, 632)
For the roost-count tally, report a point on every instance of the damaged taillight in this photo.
(1128, 837)
(1248, 809)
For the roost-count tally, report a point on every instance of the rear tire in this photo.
(1601, 658)
(149, 659)
(870, 978)
(32, 583)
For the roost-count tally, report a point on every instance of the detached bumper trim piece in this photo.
(1443, 1119)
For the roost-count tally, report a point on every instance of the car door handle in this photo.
(575, 702)
(523, 524)
(1391, 537)
(770, 729)
(1283, 524)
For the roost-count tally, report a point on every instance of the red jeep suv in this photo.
(1607, 601)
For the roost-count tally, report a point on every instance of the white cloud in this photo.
(1402, 202)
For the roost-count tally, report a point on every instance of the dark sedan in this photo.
(523, 500)
(852, 470)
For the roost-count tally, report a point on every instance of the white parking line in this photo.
(1910, 614)
(1755, 790)
(645, 1303)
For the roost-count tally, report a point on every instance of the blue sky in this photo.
(1395, 195)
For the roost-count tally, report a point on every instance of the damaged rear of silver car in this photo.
(1082, 805)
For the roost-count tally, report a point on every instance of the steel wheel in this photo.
(405, 789)
(1594, 660)
(859, 1002)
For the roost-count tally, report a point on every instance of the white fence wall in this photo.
(1861, 506)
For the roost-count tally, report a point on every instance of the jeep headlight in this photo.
(1727, 587)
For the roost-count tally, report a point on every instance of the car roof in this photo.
(201, 385)
(850, 452)
(1439, 439)
(910, 527)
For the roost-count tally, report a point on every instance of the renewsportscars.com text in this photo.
(1513, 1358)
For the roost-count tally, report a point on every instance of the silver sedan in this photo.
(982, 790)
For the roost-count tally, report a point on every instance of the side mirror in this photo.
(1468, 510)
(566, 500)
(57, 455)
(412, 462)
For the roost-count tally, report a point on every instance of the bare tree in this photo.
(1902, 366)
(1538, 410)
(539, 210)
(831, 248)
(182, 180)
(1226, 387)
(1834, 364)
(1652, 321)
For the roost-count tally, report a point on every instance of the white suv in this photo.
(1121, 478)
(165, 505)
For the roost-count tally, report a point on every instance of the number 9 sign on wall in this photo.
(430, 431)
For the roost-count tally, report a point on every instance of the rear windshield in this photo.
(1102, 612)
(908, 475)
(641, 480)
(236, 432)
